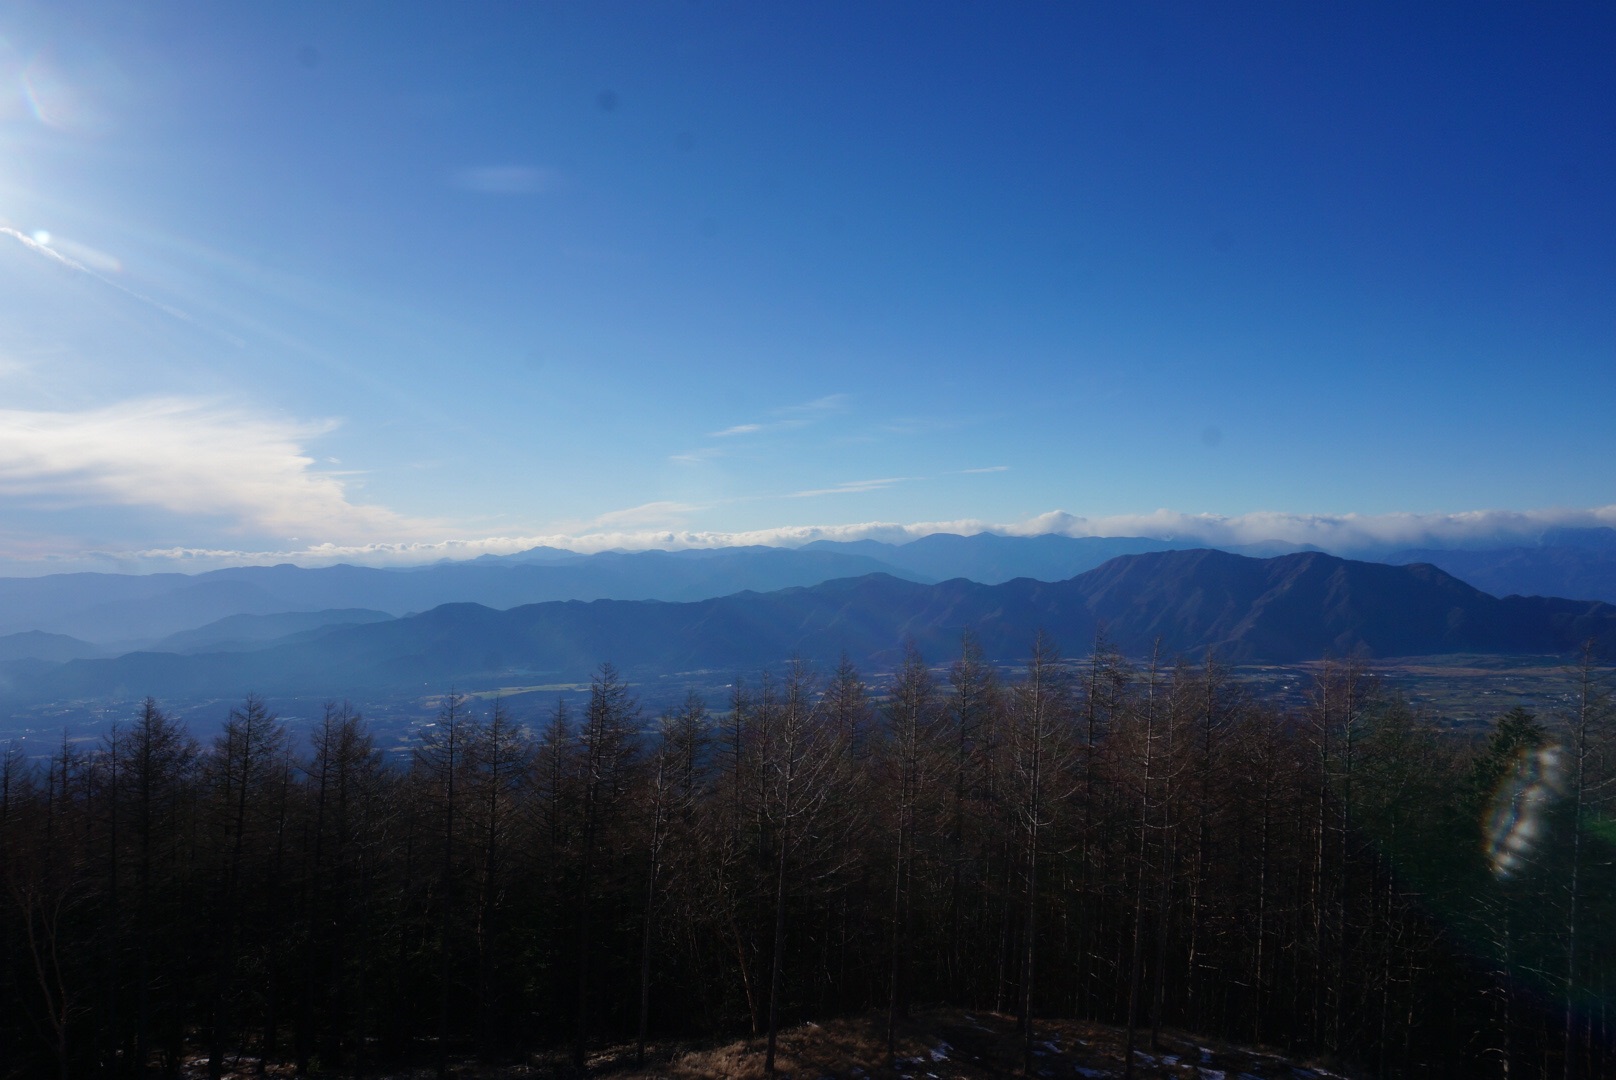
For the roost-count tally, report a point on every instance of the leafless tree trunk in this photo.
(607, 746)
(910, 716)
(1041, 753)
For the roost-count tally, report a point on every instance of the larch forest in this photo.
(1142, 842)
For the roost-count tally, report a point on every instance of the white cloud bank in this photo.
(187, 457)
(1341, 533)
(1345, 534)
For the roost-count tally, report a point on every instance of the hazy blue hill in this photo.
(992, 559)
(539, 554)
(48, 603)
(55, 648)
(1286, 609)
(1600, 538)
(1586, 570)
(715, 552)
(143, 610)
(237, 633)
(874, 549)
(190, 602)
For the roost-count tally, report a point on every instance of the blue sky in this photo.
(392, 281)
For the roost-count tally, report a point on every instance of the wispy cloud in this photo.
(696, 457)
(788, 417)
(820, 406)
(987, 469)
(506, 179)
(661, 512)
(852, 487)
(186, 456)
(99, 268)
(80, 256)
(42, 247)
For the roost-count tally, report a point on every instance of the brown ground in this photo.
(944, 1044)
(958, 1045)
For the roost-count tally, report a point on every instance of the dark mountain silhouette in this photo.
(1285, 609)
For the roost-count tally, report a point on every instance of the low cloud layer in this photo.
(1343, 534)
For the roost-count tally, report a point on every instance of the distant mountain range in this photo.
(124, 611)
(138, 611)
(53, 648)
(1285, 609)
(61, 617)
(1565, 562)
(244, 633)
(990, 559)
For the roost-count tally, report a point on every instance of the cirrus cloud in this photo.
(660, 512)
(852, 487)
(788, 417)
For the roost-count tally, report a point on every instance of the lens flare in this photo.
(1517, 821)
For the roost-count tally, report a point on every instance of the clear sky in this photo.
(282, 275)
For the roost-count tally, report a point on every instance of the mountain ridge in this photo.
(122, 612)
(1285, 609)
